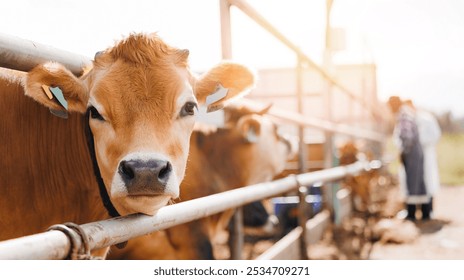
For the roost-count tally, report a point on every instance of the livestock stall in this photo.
(76, 241)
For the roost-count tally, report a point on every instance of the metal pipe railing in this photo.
(23, 55)
(55, 245)
(313, 122)
(326, 125)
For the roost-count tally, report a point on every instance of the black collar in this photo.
(101, 185)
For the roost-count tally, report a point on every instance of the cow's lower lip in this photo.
(145, 204)
(146, 195)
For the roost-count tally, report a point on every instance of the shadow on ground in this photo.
(431, 226)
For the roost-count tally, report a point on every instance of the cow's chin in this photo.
(147, 205)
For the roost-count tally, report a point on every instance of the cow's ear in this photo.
(249, 128)
(54, 86)
(223, 83)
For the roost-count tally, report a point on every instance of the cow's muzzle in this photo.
(145, 177)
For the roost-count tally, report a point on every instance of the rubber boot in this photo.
(425, 208)
(411, 208)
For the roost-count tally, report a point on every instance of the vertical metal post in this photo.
(302, 219)
(328, 149)
(236, 238)
(302, 149)
(236, 235)
(302, 159)
(328, 145)
(226, 34)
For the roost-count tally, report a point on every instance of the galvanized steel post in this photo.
(236, 235)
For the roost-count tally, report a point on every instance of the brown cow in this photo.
(361, 184)
(248, 150)
(137, 104)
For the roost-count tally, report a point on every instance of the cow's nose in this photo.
(145, 177)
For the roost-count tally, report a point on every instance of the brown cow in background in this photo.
(360, 185)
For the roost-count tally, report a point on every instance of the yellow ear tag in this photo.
(47, 91)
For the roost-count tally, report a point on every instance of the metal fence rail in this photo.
(317, 123)
(56, 245)
(23, 55)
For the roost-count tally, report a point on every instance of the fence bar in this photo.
(226, 33)
(253, 14)
(112, 231)
(313, 122)
(50, 245)
(23, 55)
(237, 238)
(302, 220)
(302, 149)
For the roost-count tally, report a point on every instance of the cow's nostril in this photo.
(164, 173)
(127, 169)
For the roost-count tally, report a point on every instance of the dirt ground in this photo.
(393, 238)
(441, 238)
(383, 234)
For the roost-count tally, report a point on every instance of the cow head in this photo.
(141, 100)
(348, 153)
(250, 147)
(260, 134)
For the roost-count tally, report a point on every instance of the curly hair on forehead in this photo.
(147, 49)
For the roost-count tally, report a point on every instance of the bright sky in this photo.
(416, 44)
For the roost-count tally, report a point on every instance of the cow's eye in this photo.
(94, 114)
(188, 109)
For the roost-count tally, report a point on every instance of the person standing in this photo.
(406, 133)
(429, 135)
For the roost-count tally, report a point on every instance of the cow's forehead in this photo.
(128, 90)
(140, 75)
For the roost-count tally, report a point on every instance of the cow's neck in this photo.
(46, 168)
(223, 163)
